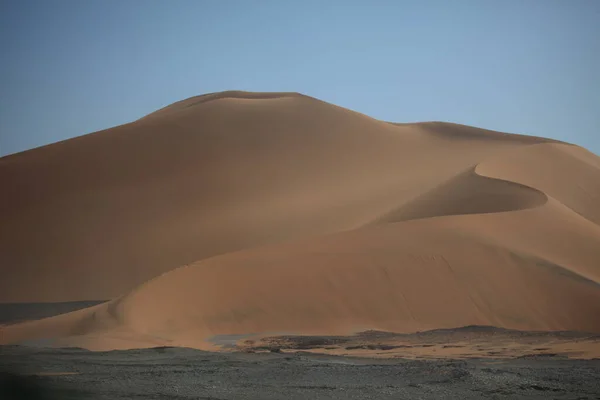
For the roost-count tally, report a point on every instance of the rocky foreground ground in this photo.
(177, 373)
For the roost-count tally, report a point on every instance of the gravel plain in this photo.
(179, 373)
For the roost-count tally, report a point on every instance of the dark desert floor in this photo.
(179, 373)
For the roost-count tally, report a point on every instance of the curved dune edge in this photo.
(469, 192)
(564, 172)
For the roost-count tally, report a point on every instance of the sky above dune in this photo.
(71, 67)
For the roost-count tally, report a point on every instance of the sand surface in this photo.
(275, 213)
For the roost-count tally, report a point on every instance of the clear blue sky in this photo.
(70, 67)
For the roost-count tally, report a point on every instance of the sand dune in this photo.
(468, 193)
(238, 213)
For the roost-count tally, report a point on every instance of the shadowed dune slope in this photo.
(239, 213)
(468, 193)
(567, 173)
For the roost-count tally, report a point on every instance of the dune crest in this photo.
(468, 193)
(232, 94)
(238, 213)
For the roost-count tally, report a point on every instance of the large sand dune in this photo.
(239, 213)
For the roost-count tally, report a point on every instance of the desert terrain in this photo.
(180, 373)
(273, 219)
